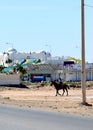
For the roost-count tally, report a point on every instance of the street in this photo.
(16, 118)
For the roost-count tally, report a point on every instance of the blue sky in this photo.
(50, 25)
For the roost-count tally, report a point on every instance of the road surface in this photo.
(15, 118)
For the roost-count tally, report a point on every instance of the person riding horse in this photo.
(60, 85)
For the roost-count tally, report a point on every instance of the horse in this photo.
(59, 86)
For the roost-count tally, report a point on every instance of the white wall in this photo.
(13, 79)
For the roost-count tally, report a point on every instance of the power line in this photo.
(91, 6)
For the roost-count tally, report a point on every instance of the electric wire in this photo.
(91, 6)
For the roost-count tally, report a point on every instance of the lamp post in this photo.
(50, 48)
(83, 75)
(10, 44)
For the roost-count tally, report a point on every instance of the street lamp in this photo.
(83, 75)
(10, 44)
(50, 49)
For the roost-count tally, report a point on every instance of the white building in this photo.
(55, 65)
(17, 57)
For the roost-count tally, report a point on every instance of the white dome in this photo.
(11, 50)
(41, 51)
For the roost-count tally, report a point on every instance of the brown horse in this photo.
(59, 86)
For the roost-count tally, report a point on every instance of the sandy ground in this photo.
(44, 98)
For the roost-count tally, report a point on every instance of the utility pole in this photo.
(83, 75)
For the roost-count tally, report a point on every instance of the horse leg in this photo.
(67, 91)
(56, 92)
(63, 92)
(59, 93)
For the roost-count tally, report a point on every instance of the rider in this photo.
(60, 81)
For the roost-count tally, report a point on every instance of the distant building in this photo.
(51, 68)
(17, 57)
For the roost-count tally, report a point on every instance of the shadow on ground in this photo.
(17, 86)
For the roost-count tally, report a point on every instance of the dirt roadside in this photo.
(44, 98)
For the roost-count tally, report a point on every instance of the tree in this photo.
(21, 69)
(1, 68)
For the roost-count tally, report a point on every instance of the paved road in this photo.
(15, 118)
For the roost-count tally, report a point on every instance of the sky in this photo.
(49, 25)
